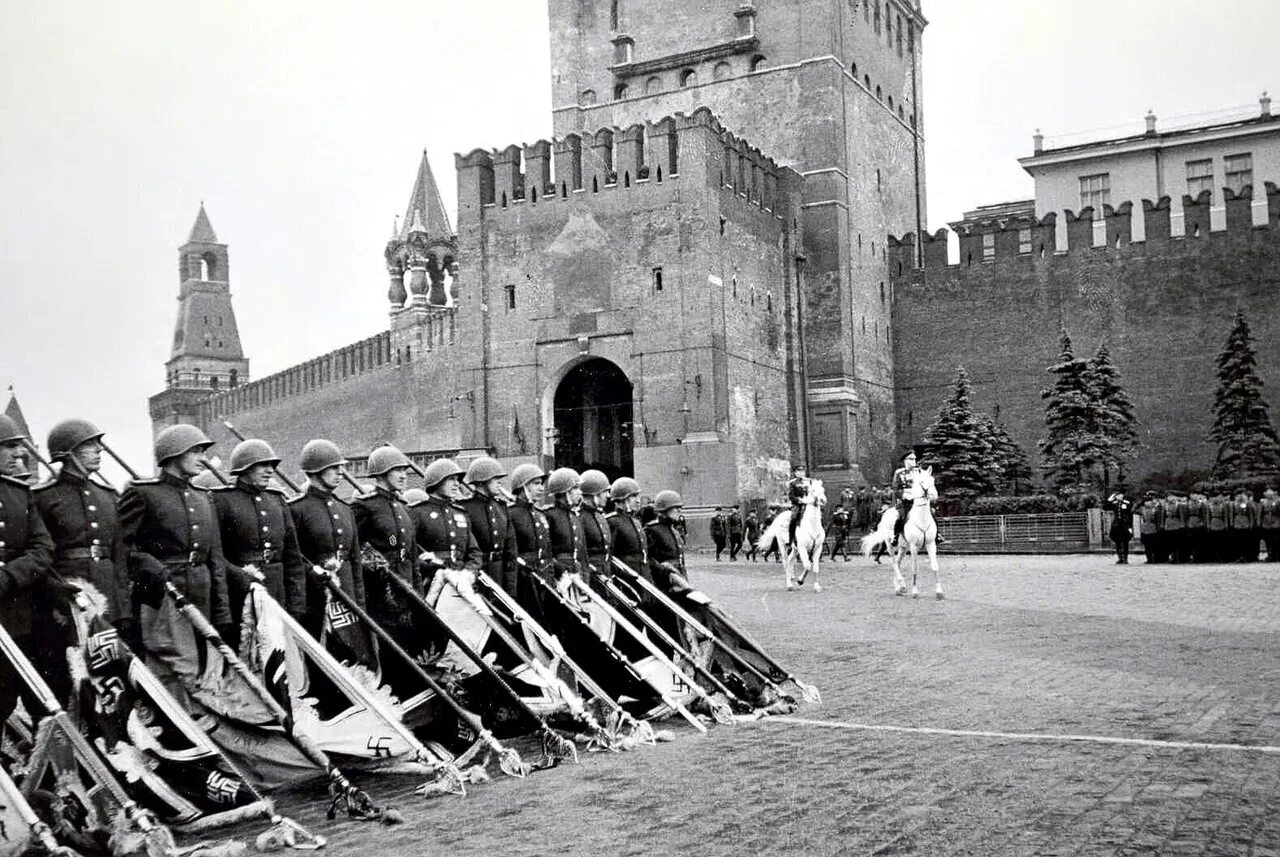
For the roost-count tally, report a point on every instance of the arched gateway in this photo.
(592, 415)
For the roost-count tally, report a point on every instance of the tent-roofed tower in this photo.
(206, 355)
(421, 261)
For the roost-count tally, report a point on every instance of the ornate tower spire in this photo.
(424, 250)
(206, 355)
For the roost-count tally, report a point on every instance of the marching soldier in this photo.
(597, 538)
(491, 522)
(170, 531)
(1269, 512)
(441, 527)
(666, 545)
(1244, 527)
(564, 516)
(1174, 531)
(735, 532)
(900, 486)
(1195, 534)
(719, 531)
(80, 515)
(258, 534)
(1219, 528)
(840, 532)
(627, 537)
(1152, 513)
(26, 555)
(750, 534)
(326, 530)
(1121, 531)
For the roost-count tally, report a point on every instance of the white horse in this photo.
(810, 537)
(920, 530)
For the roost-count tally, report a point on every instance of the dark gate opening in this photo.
(593, 419)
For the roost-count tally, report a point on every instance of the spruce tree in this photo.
(1247, 443)
(1009, 468)
(1068, 448)
(956, 446)
(1114, 427)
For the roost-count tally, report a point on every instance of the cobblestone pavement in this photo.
(1184, 656)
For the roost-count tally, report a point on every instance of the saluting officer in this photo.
(490, 522)
(258, 534)
(900, 487)
(627, 538)
(597, 538)
(80, 514)
(26, 555)
(326, 529)
(441, 527)
(564, 516)
(666, 544)
(1121, 531)
(170, 530)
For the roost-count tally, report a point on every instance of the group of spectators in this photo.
(1185, 527)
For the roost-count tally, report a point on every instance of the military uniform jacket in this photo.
(666, 550)
(384, 523)
(629, 542)
(1152, 513)
(1175, 515)
(1219, 514)
(751, 528)
(26, 554)
(719, 527)
(900, 485)
(532, 533)
(445, 530)
(840, 518)
(1244, 514)
(735, 524)
(598, 539)
(1197, 514)
(1122, 520)
(257, 529)
(170, 528)
(1270, 509)
(798, 489)
(81, 517)
(491, 528)
(568, 541)
(326, 529)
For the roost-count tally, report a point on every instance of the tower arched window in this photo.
(235, 378)
(721, 71)
(688, 78)
(587, 98)
(757, 62)
(653, 85)
(620, 92)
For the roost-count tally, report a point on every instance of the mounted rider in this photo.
(797, 490)
(900, 486)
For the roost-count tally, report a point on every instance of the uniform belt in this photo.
(94, 552)
(263, 557)
(193, 558)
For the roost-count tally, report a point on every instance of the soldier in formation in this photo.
(1196, 527)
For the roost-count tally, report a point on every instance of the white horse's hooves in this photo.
(817, 587)
(915, 593)
(939, 596)
(900, 590)
(790, 586)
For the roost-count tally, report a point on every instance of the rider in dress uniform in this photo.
(170, 530)
(597, 538)
(797, 490)
(627, 537)
(491, 523)
(80, 515)
(26, 555)
(258, 534)
(666, 544)
(441, 526)
(564, 516)
(900, 486)
(326, 529)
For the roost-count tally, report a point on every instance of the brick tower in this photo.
(206, 354)
(830, 88)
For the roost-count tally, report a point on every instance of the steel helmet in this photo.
(414, 496)
(523, 474)
(250, 452)
(562, 480)
(180, 439)
(667, 500)
(483, 469)
(9, 430)
(440, 470)
(624, 487)
(320, 455)
(69, 434)
(206, 479)
(386, 458)
(593, 482)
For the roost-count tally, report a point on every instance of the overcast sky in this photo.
(300, 125)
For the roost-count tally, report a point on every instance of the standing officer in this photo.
(170, 530)
(1195, 532)
(80, 515)
(597, 539)
(532, 533)
(627, 538)
(666, 545)
(1244, 527)
(1121, 531)
(1269, 513)
(1175, 525)
(900, 486)
(719, 531)
(26, 555)
(1219, 527)
(564, 516)
(258, 534)
(442, 528)
(1152, 513)
(735, 532)
(491, 523)
(326, 530)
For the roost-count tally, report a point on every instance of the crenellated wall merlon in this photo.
(611, 157)
(1024, 237)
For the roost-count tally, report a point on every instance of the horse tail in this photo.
(777, 529)
(882, 535)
